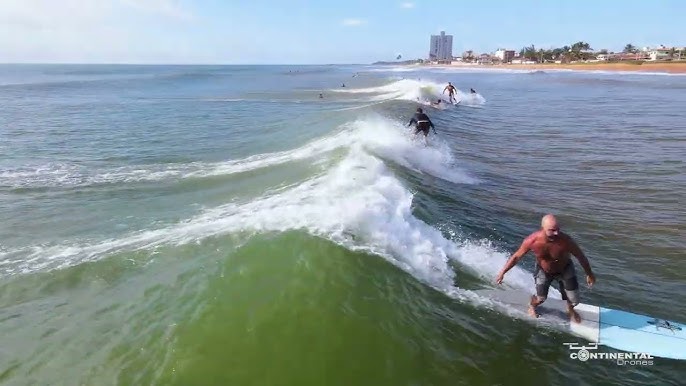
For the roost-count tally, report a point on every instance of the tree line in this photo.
(577, 51)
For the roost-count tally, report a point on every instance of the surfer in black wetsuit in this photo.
(422, 123)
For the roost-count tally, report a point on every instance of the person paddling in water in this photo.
(451, 92)
(552, 249)
(437, 103)
(422, 123)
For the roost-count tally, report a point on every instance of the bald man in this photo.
(552, 249)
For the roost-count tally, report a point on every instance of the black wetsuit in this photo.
(423, 123)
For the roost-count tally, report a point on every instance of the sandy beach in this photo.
(664, 67)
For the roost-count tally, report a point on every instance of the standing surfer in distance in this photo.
(423, 123)
(451, 92)
(552, 249)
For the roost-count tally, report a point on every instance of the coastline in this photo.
(668, 68)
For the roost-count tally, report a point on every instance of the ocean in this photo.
(224, 225)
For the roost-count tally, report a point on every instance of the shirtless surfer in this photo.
(451, 92)
(552, 249)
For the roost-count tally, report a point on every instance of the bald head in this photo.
(548, 220)
(550, 227)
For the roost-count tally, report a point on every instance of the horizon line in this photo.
(181, 64)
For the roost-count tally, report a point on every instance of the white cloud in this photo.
(352, 22)
(91, 30)
(47, 14)
(169, 8)
(407, 4)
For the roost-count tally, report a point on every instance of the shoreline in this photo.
(667, 68)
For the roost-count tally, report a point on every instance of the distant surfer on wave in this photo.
(422, 123)
(552, 249)
(451, 92)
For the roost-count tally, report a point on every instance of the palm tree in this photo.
(468, 55)
(630, 49)
(578, 47)
(525, 52)
(530, 52)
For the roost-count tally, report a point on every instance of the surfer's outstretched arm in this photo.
(514, 259)
(579, 254)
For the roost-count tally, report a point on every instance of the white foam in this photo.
(359, 204)
(393, 140)
(345, 190)
(384, 136)
(423, 91)
(397, 69)
(60, 174)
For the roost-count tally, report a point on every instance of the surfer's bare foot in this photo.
(573, 315)
(532, 307)
(532, 312)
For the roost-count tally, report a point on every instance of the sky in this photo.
(318, 32)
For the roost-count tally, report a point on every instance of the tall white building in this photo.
(441, 47)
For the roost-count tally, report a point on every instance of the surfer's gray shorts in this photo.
(569, 286)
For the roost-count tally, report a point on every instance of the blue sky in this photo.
(305, 31)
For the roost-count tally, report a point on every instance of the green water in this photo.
(224, 226)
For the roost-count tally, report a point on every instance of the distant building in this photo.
(485, 59)
(612, 56)
(441, 49)
(505, 56)
(661, 53)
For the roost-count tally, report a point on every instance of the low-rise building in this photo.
(485, 59)
(504, 55)
(663, 53)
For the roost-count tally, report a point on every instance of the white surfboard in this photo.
(621, 330)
